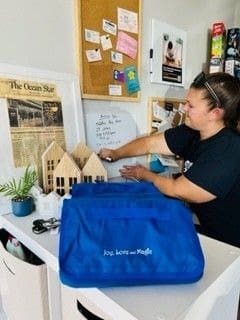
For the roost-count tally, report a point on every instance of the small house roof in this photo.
(66, 167)
(94, 166)
(53, 150)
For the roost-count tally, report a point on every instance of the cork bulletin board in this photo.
(108, 36)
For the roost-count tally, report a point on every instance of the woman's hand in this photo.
(137, 172)
(108, 155)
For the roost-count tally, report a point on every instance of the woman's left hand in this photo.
(137, 172)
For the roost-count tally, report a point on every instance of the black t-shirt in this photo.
(214, 165)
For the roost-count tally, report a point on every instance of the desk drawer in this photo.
(90, 304)
(23, 288)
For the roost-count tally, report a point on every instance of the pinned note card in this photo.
(115, 90)
(93, 55)
(131, 79)
(127, 20)
(106, 42)
(127, 44)
(109, 27)
(116, 57)
(92, 36)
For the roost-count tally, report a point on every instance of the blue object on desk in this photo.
(22, 208)
(156, 166)
(92, 189)
(127, 234)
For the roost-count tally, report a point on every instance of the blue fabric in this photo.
(82, 189)
(119, 238)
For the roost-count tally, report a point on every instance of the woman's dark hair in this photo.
(222, 90)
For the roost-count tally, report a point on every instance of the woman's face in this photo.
(197, 111)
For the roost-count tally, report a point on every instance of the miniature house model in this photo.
(81, 154)
(50, 159)
(94, 171)
(61, 170)
(65, 175)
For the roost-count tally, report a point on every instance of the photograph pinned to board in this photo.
(167, 54)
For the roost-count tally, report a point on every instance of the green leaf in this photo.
(22, 187)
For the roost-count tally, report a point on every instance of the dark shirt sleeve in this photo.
(212, 164)
(179, 139)
(217, 176)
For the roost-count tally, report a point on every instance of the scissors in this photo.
(41, 225)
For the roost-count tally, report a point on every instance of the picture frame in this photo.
(167, 54)
(67, 90)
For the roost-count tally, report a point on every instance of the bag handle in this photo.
(128, 213)
(86, 313)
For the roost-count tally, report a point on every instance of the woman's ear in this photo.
(217, 113)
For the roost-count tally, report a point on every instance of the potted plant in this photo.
(19, 191)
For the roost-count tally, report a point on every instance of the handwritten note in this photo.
(110, 128)
(127, 20)
(93, 55)
(127, 45)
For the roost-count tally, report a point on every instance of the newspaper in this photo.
(35, 119)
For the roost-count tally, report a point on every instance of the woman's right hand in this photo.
(108, 154)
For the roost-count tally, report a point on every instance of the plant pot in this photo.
(23, 207)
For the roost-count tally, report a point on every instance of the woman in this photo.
(210, 146)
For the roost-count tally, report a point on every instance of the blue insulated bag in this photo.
(117, 188)
(123, 236)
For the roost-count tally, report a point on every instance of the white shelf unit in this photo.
(216, 294)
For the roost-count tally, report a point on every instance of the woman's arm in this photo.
(155, 143)
(181, 188)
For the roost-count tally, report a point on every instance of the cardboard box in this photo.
(216, 65)
(232, 66)
(233, 43)
(218, 28)
(218, 40)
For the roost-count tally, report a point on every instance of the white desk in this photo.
(215, 296)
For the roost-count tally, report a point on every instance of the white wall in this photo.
(40, 34)
(196, 18)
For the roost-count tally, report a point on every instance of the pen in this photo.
(151, 59)
(108, 159)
